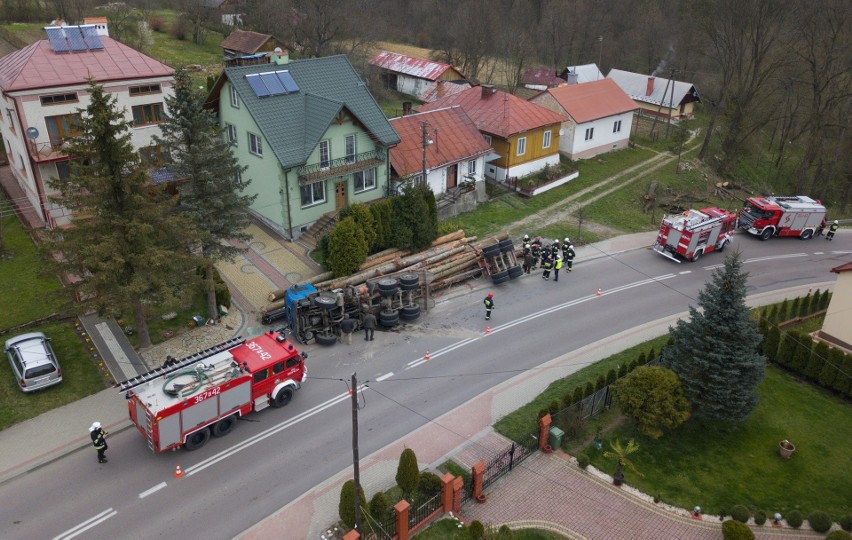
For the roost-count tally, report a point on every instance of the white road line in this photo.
(819, 253)
(154, 489)
(684, 272)
(86, 525)
(841, 252)
(385, 377)
(790, 256)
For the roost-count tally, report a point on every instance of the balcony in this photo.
(45, 151)
(340, 166)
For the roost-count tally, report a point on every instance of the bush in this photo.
(611, 376)
(794, 308)
(652, 354)
(846, 523)
(819, 521)
(181, 28)
(590, 389)
(838, 535)
(476, 530)
(430, 483)
(567, 400)
(641, 360)
(223, 295)
(736, 530)
(740, 513)
(783, 311)
(578, 394)
(622, 371)
(795, 519)
(633, 365)
(601, 382)
(542, 413)
(379, 507)
(362, 217)
(407, 472)
(657, 498)
(814, 307)
(583, 461)
(382, 217)
(347, 248)
(759, 517)
(346, 507)
(804, 306)
(554, 406)
(156, 23)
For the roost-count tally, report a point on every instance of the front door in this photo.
(340, 195)
(452, 176)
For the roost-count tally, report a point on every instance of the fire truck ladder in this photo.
(181, 364)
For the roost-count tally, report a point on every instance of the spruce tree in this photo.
(815, 299)
(802, 354)
(828, 375)
(211, 191)
(816, 363)
(127, 244)
(770, 346)
(783, 311)
(715, 352)
(804, 306)
(787, 349)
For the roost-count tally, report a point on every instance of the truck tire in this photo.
(388, 318)
(807, 234)
(410, 313)
(388, 286)
(197, 439)
(491, 250)
(506, 245)
(695, 256)
(283, 397)
(766, 234)
(515, 271)
(326, 339)
(409, 281)
(224, 426)
(325, 301)
(721, 247)
(500, 277)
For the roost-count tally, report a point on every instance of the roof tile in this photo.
(409, 65)
(592, 100)
(245, 41)
(635, 85)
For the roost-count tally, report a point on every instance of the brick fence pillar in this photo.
(543, 431)
(352, 535)
(447, 492)
(458, 485)
(478, 471)
(401, 511)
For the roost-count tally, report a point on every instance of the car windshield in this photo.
(39, 371)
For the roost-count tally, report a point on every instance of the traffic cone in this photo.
(598, 293)
(427, 356)
(487, 329)
(178, 472)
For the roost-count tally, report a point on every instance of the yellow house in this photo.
(657, 95)
(836, 329)
(525, 136)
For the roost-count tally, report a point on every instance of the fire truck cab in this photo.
(694, 233)
(766, 217)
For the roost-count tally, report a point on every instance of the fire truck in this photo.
(203, 395)
(695, 232)
(782, 216)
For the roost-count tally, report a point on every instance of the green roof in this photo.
(293, 124)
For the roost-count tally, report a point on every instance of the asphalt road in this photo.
(276, 455)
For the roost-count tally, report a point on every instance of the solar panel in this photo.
(91, 37)
(257, 85)
(273, 83)
(57, 39)
(287, 80)
(75, 38)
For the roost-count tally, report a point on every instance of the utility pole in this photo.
(671, 103)
(426, 142)
(600, 55)
(357, 476)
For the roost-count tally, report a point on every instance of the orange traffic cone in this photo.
(178, 472)
(598, 293)
(427, 356)
(487, 329)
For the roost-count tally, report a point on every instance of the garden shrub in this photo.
(789, 344)
(622, 371)
(601, 382)
(504, 532)
(804, 306)
(815, 299)
(156, 23)
(362, 217)
(652, 354)
(346, 507)
(554, 406)
(783, 311)
(407, 472)
(633, 365)
(430, 483)
(542, 413)
(578, 394)
(817, 361)
(819, 521)
(795, 519)
(181, 28)
(770, 346)
(736, 530)
(740, 513)
(794, 308)
(476, 530)
(379, 507)
(567, 400)
(641, 360)
(828, 374)
(838, 535)
(846, 523)
(590, 389)
(759, 517)
(657, 498)
(223, 295)
(802, 353)
(611, 376)
(583, 461)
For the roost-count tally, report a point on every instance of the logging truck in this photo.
(798, 216)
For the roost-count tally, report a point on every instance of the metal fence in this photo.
(419, 514)
(382, 527)
(504, 462)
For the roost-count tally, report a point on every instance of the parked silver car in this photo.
(33, 361)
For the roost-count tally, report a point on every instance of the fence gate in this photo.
(503, 462)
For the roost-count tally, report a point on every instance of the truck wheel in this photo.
(500, 277)
(766, 234)
(807, 234)
(197, 440)
(388, 286)
(515, 271)
(388, 318)
(696, 256)
(224, 426)
(409, 281)
(410, 313)
(491, 250)
(506, 245)
(325, 301)
(721, 247)
(326, 339)
(283, 397)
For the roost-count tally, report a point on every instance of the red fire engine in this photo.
(204, 394)
(782, 216)
(695, 232)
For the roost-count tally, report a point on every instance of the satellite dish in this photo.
(561, 132)
(32, 133)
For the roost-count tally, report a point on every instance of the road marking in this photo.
(760, 259)
(819, 253)
(841, 252)
(385, 377)
(154, 489)
(251, 441)
(684, 272)
(86, 525)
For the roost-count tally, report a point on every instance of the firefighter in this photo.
(831, 230)
(528, 260)
(569, 257)
(556, 267)
(526, 239)
(565, 244)
(545, 253)
(527, 249)
(99, 441)
(554, 248)
(536, 253)
(548, 264)
(489, 305)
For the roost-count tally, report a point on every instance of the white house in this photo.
(44, 84)
(599, 113)
(663, 97)
(410, 75)
(582, 74)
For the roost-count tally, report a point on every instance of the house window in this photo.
(238, 178)
(61, 127)
(152, 156)
(313, 194)
(235, 100)
(590, 133)
(350, 149)
(522, 146)
(365, 180)
(143, 115)
(616, 127)
(63, 170)
(232, 133)
(471, 167)
(59, 98)
(325, 154)
(487, 138)
(255, 145)
(418, 179)
(145, 89)
(546, 143)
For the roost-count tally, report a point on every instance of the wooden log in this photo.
(320, 277)
(446, 282)
(383, 259)
(491, 240)
(273, 306)
(453, 262)
(277, 294)
(459, 268)
(458, 235)
(434, 259)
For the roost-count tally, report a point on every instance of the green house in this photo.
(311, 135)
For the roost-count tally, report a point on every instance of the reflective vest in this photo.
(558, 264)
(548, 265)
(570, 254)
(489, 303)
(833, 227)
(98, 439)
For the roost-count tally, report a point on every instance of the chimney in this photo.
(571, 77)
(487, 90)
(650, 88)
(440, 90)
(406, 108)
(280, 56)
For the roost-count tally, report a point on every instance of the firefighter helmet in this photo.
(567, 240)
(835, 222)
(491, 295)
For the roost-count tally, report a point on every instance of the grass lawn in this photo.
(23, 34)
(160, 330)
(450, 529)
(176, 53)
(716, 465)
(391, 102)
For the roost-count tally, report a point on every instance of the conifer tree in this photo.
(815, 299)
(804, 306)
(824, 300)
(770, 346)
(787, 348)
(347, 248)
(407, 472)
(578, 394)
(802, 353)
(127, 244)
(816, 363)
(589, 390)
(715, 352)
(828, 375)
(763, 327)
(794, 308)
(783, 311)
(843, 380)
(774, 314)
(211, 194)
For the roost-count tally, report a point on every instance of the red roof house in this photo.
(411, 75)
